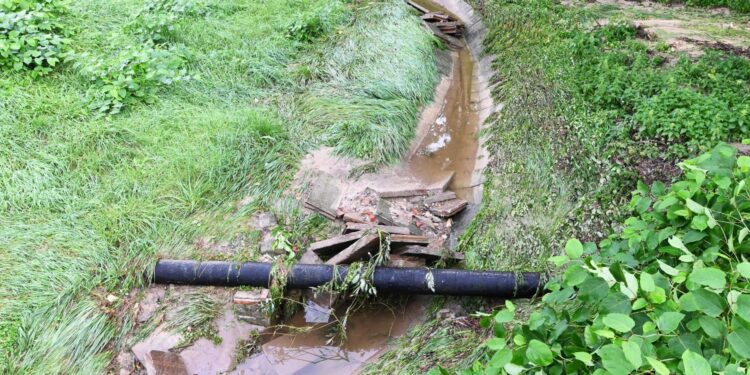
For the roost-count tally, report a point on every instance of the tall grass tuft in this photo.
(367, 102)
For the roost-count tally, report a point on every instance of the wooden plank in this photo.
(409, 239)
(354, 218)
(353, 227)
(446, 196)
(383, 212)
(401, 193)
(334, 245)
(428, 252)
(452, 41)
(448, 208)
(357, 250)
(418, 7)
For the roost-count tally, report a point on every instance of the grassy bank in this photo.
(592, 105)
(165, 115)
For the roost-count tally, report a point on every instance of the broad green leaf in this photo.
(694, 206)
(619, 322)
(639, 304)
(669, 321)
(658, 366)
(709, 276)
(743, 233)
(605, 333)
(513, 369)
(539, 353)
(501, 358)
(744, 269)
(510, 306)
(614, 361)
(669, 270)
(647, 282)
(676, 242)
(503, 316)
(575, 275)
(574, 248)
(632, 353)
(593, 289)
(495, 344)
(743, 306)
(713, 327)
(739, 341)
(658, 296)
(695, 364)
(709, 303)
(584, 357)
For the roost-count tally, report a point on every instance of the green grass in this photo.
(87, 203)
(368, 102)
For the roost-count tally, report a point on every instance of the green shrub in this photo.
(312, 25)
(32, 35)
(135, 75)
(667, 294)
(157, 19)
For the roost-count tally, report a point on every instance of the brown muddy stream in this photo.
(447, 143)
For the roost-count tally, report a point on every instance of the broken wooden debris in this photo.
(429, 252)
(357, 250)
(448, 208)
(435, 17)
(327, 214)
(409, 239)
(353, 227)
(354, 218)
(335, 244)
(445, 196)
(417, 6)
(451, 40)
(400, 193)
(383, 212)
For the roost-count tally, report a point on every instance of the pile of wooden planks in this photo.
(442, 25)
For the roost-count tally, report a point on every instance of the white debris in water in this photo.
(440, 143)
(441, 120)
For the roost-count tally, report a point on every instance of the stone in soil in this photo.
(405, 261)
(150, 302)
(168, 363)
(249, 306)
(324, 195)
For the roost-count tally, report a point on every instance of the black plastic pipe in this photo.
(385, 279)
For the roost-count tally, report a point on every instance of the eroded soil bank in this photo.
(447, 149)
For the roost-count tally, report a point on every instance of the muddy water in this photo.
(452, 142)
(449, 146)
(310, 353)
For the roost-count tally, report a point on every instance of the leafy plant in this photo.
(135, 75)
(668, 294)
(32, 35)
(157, 19)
